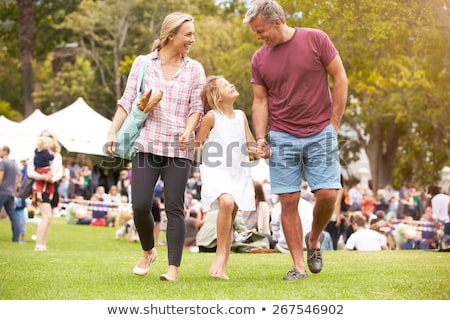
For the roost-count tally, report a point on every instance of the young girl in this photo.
(225, 171)
(42, 160)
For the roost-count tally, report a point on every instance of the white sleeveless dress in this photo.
(225, 164)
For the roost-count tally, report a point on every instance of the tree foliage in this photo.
(60, 90)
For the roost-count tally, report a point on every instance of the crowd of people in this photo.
(408, 218)
(397, 219)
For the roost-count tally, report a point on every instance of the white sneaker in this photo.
(39, 247)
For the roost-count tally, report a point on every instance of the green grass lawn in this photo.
(88, 263)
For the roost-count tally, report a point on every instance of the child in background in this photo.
(19, 215)
(42, 160)
(227, 181)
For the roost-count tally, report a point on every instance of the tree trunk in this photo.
(374, 151)
(26, 47)
(389, 155)
(381, 151)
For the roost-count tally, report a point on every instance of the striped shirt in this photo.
(181, 99)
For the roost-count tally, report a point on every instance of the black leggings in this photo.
(146, 170)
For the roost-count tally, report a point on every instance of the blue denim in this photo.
(316, 156)
(8, 202)
(327, 243)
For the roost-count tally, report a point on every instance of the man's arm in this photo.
(260, 111)
(260, 116)
(340, 89)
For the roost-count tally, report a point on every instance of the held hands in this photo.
(252, 153)
(186, 141)
(149, 101)
(263, 149)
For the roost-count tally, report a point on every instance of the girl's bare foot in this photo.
(215, 275)
(218, 268)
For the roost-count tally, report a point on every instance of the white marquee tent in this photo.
(78, 127)
(21, 138)
(6, 124)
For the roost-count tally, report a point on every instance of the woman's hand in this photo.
(47, 177)
(111, 145)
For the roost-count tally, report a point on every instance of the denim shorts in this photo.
(314, 158)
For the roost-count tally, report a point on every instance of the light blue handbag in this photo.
(133, 123)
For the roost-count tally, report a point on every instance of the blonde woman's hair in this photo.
(170, 26)
(210, 94)
(268, 10)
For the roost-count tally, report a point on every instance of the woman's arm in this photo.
(191, 124)
(118, 119)
(31, 171)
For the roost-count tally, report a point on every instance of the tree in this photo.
(112, 33)
(25, 9)
(68, 84)
(24, 45)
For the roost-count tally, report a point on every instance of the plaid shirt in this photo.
(181, 99)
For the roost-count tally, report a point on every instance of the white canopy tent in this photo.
(6, 124)
(78, 128)
(21, 138)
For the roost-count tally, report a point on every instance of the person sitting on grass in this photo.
(364, 239)
(78, 212)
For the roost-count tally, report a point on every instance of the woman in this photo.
(48, 201)
(170, 123)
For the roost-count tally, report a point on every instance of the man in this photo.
(363, 239)
(440, 204)
(292, 97)
(9, 181)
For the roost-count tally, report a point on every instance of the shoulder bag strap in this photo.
(140, 88)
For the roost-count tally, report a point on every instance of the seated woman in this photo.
(78, 211)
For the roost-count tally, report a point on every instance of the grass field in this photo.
(88, 263)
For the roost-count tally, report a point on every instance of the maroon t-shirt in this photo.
(297, 82)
